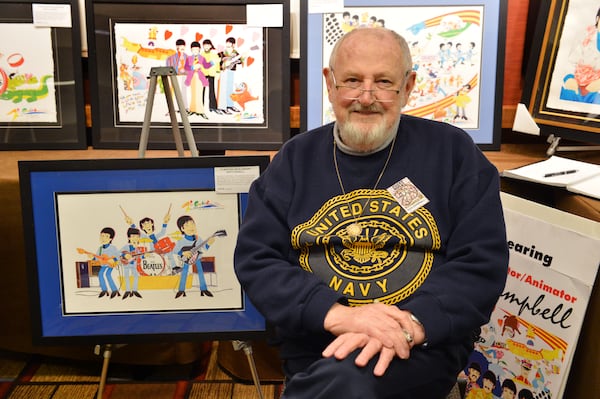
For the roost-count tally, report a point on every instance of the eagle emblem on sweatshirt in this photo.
(387, 261)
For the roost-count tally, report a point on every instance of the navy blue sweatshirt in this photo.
(446, 261)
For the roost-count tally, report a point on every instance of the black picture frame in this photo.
(265, 129)
(42, 105)
(571, 112)
(486, 17)
(65, 280)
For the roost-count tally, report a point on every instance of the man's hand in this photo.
(346, 343)
(376, 328)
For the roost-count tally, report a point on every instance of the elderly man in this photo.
(375, 245)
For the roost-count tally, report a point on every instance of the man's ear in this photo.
(328, 82)
(409, 84)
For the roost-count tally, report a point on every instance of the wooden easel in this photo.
(168, 77)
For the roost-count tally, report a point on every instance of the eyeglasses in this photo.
(352, 90)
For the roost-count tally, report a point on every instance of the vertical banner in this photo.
(528, 345)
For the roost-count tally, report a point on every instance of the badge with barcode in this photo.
(408, 195)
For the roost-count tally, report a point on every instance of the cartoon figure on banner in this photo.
(583, 84)
(509, 389)
(130, 257)
(189, 248)
(486, 391)
(474, 372)
(511, 325)
(107, 256)
(523, 377)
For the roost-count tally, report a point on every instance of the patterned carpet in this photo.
(37, 377)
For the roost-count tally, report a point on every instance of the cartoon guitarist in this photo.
(230, 60)
(189, 248)
(129, 255)
(108, 256)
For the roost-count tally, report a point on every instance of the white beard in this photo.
(365, 139)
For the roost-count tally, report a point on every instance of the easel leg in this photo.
(247, 348)
(106, 354)
(174, 123)
(189, 136)
(147, 116)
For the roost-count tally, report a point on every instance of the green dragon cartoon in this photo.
(29, 95)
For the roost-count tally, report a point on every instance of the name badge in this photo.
(408, 195)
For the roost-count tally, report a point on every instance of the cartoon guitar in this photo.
(230, 61)
(104, 259)
(196, 250)
(134, 254)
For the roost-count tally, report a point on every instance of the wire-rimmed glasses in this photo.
(353, 90)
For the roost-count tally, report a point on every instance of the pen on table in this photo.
(564, 172)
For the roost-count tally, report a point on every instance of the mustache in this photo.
(357, 107)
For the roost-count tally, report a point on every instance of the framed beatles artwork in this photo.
(232, 69)
(41, 84)
(123, 251)
(457, 50)
(562, 84)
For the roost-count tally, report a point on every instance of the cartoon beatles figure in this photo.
(130, 254)
(230, 59)
(189, 248)
(156, 239)
(196, 79)
(108, 256)
(177, 61)
(211, 73)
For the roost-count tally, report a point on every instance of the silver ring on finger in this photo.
(408, 337)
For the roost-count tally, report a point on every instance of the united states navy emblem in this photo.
(387, 261)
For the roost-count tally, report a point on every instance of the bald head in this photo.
(380, 35)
